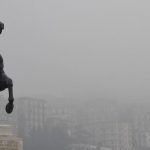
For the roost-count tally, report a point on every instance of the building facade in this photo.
(9, 141)
(30, 115)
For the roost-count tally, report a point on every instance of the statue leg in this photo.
(10, 105)
(10, 91)
(6, 83)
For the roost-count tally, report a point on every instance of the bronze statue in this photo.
(5, 81)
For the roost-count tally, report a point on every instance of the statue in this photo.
(6, 82)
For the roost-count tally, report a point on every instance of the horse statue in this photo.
(6, 82)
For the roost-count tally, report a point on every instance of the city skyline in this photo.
(99, 124)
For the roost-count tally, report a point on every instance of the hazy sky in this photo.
(75, 47)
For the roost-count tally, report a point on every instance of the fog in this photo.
(75, 48)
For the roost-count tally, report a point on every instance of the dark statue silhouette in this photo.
(5, 81)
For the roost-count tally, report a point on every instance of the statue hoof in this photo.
(9, 107)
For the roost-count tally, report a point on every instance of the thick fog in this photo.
(95, 48)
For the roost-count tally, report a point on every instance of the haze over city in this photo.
(80, 71)
(77, 48)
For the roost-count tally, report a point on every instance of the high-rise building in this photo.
(10, 119)
(30, 115)
(9, 141)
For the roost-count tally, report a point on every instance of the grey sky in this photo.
(71, 47)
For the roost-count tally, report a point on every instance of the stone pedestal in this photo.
(9, 141)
